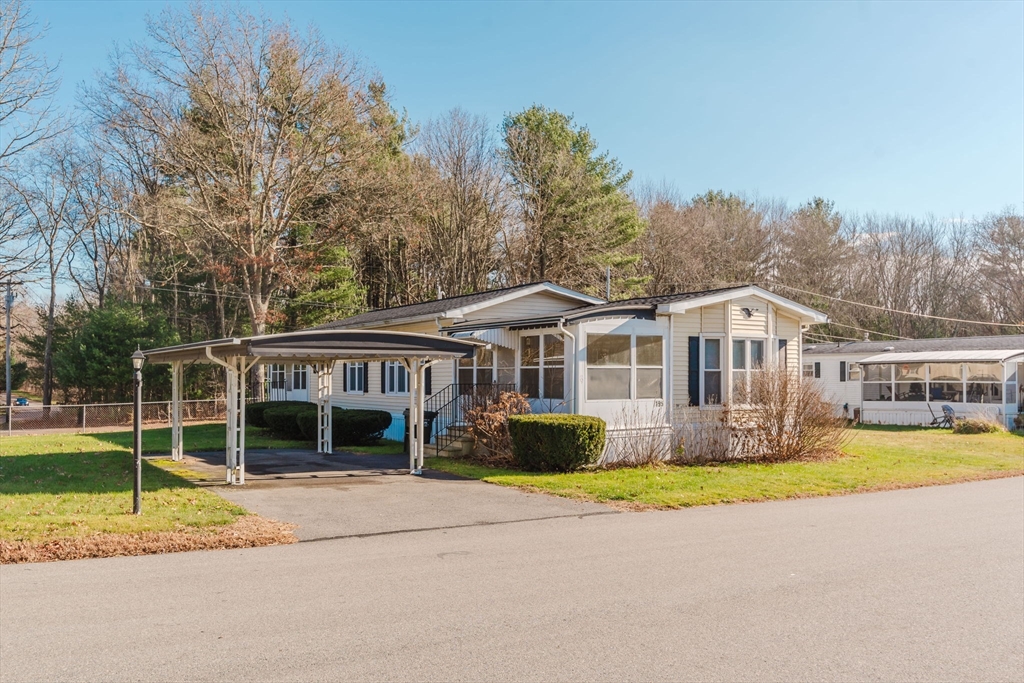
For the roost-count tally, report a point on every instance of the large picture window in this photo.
(878, 382)
(608, 367)
(624, 366)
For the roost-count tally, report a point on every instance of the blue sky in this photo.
(912, 108)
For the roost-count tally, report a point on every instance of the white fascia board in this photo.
(804, 313)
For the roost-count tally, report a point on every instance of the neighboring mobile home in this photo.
(907, 382)
(570, 352)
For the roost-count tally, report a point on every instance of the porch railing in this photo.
(451, 405)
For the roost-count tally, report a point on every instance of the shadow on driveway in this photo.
(350, 494)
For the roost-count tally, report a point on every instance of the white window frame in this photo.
(748, 367)
(721, 350)
(278, 376)
(540, 363)
(633, 367)
(389, 375)
(354, 380)
(297, 372)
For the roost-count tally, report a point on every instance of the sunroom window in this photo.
(910, 382)
(878, 382)
(541, 366)
(945, 382)
(648, 366)
(608, 366)
(984, 382)
(622, 366)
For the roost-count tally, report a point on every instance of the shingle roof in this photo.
(424, 308)
(997, 342)
(652, 300)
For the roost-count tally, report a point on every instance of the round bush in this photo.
(283, 420)
(556, 443)
(254, 411)
(348, 427)
(359, 427)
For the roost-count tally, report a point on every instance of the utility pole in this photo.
(8, 303)
(607, 283)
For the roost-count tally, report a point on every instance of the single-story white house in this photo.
(571, 352)
(906, 382)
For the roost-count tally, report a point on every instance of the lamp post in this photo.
(138, 358)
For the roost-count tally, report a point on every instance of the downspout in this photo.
(575, 352)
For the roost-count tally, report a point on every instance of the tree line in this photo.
(231, 174)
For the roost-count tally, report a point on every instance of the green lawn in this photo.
(876, 458)
(62, 485)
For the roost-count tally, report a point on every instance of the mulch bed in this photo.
(249, 531)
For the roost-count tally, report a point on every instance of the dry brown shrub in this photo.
(249, 531)
(789, 419)
(977, 425)
(487, 418)
(703, 436)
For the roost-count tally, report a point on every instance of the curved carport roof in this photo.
(319, 345)
(320, 348)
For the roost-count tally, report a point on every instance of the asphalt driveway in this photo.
(346, 494)
(916, 585)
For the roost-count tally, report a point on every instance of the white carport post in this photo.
(177, 451)
(412, 366)
(325, 417)
(231, 404)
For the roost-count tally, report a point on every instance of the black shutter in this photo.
(426, 380)
(842, 371)
(694, 366)
(817, 371)
(782, 353)
(366, 378)
(344, 376)
(383, 377)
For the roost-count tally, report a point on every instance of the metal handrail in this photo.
(450, 405)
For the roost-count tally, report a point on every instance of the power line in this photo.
(893, 310)
(861, 329)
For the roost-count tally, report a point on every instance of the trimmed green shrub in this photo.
(359, 427)
(254, 411)
(554, 442)
(282, 420)
(349, 427)
(976, 425)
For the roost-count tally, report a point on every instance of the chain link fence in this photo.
(81, 418)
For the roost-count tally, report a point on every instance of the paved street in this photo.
(924, 584)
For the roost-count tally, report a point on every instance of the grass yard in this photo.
(76, 486)
(876, 458)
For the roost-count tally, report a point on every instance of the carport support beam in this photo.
(177, 451)
(324, 403)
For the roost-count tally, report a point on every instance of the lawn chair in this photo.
(948, 417)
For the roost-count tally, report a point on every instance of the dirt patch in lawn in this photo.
(249, 531)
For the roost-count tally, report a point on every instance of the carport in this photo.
(321, 349)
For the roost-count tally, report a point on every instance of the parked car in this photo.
(21, 401)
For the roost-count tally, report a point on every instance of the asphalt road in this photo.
(925, 584)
